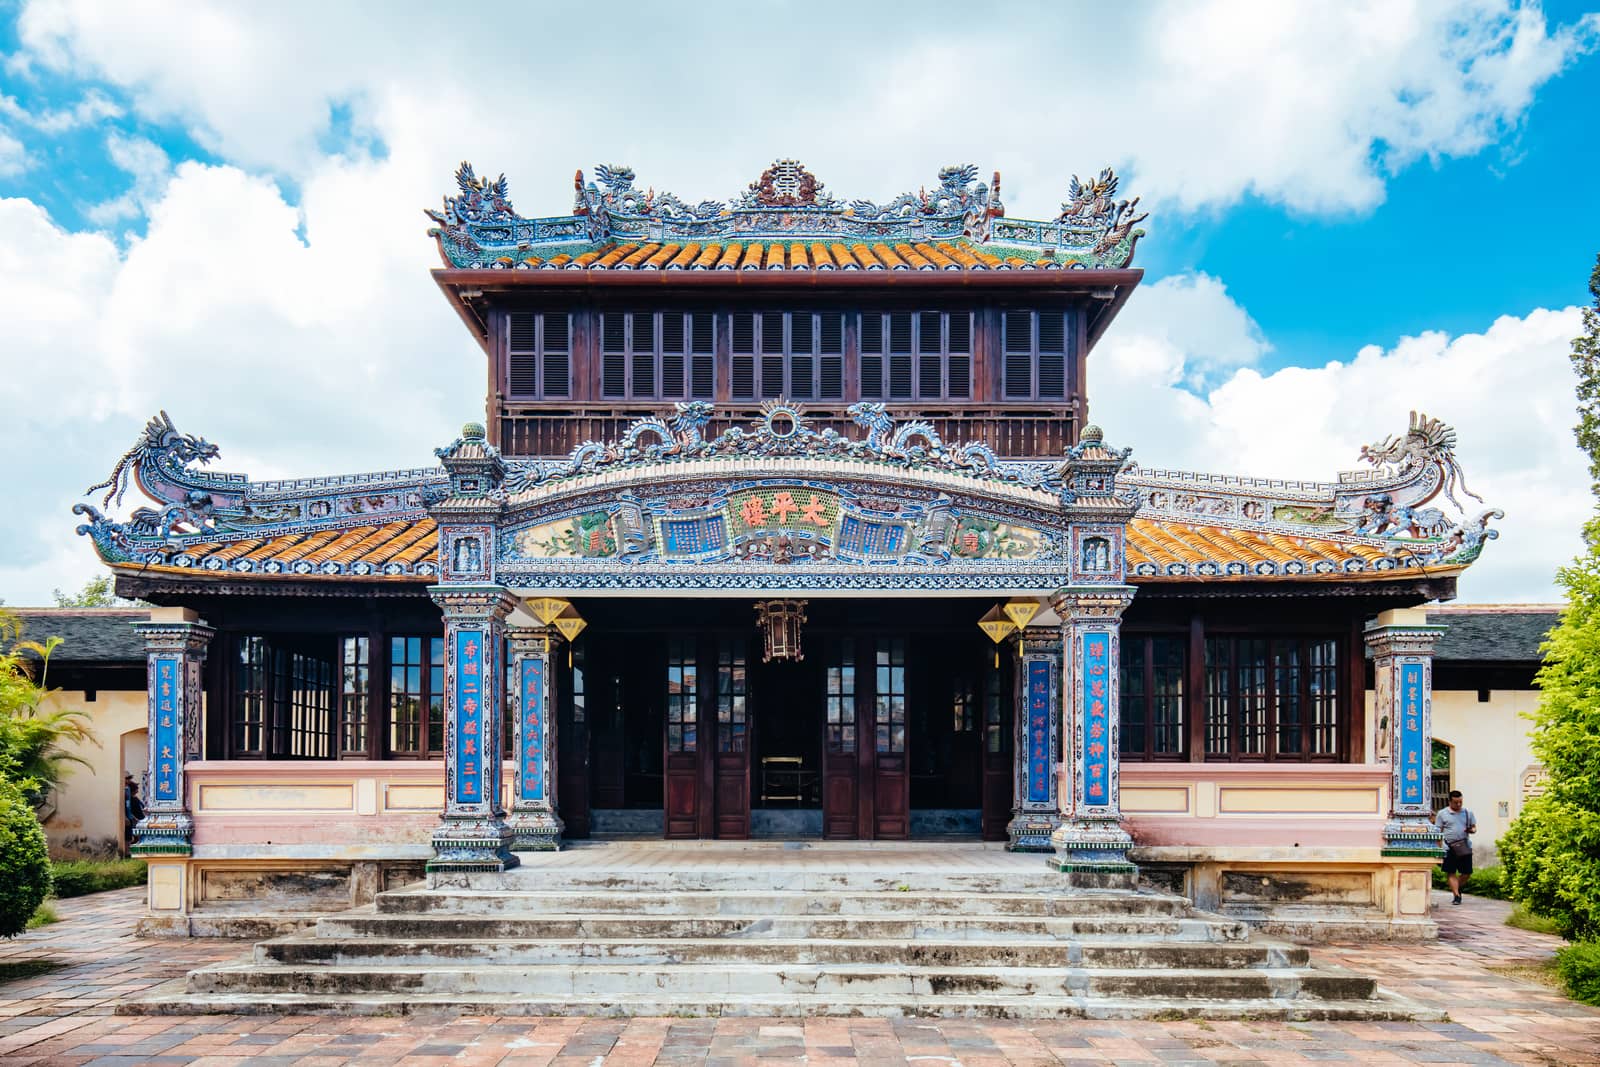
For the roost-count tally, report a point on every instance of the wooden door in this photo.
(998, 759)
(890, 772)
(733, 739)
(572, 747)
(681, 765)
(840, 741)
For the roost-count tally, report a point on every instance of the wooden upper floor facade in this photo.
(563, 369)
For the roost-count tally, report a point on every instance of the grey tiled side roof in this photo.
(1502, 635)
(102, 637)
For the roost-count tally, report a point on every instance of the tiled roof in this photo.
(89, 636)
(1504, 633)
(1157, 550)
(399, 550)
(1160, 550)
(779, 255)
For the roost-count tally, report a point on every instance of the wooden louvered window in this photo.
(1037, 359)
(922, 355)
(650, 355)
(795, 355)
(538, 355)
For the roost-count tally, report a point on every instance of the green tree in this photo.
(32, 756)
(1586, 361)
(96, 593)
(25, 878)
(1551, 853)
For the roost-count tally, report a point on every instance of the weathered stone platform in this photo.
(779, 930)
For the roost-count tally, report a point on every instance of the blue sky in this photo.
(215, 208)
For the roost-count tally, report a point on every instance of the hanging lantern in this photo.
(547, 608)
(780, 622)
(1022, 611)
(570, 624)
(997, 625)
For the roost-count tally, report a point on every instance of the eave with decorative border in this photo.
(895, 511)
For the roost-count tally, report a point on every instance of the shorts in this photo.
(1454, 864)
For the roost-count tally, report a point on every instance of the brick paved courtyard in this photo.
(65, 1017)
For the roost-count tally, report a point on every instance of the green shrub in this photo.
(43, 915)
(1487, 882)
(24, 861)
(76, 878)
(1579, 967)
(1523, 919)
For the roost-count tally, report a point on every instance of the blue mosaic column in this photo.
(472, 834)
(535, 825)
(175, 651)
(1035, 804)
(1402, 669)
(1090, 843)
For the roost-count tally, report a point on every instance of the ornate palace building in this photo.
(786, 520)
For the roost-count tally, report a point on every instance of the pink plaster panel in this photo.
(324, 826)
(1291, 827)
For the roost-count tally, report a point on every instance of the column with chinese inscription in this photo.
(1091, 845)
(175, 642)
(1035, 801)
(534, 823)
(472, 834)
(1402, 661)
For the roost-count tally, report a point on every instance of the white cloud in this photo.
(13, 156)
(94, 106)
(1207, 102)
(150, 168)
(1509, 391)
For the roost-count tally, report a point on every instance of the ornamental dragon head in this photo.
(160, 446)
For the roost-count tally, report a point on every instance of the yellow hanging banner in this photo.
(547, 608)
(1022, 611)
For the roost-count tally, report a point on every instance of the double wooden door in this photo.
(707, 734)
(866, 782)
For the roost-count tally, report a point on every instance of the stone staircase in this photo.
(780, 941)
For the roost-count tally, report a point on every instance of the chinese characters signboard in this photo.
(168, 728)
(1414, 772)
(1038, 741)
(532, 712)
(1096, 718)
(472, 726)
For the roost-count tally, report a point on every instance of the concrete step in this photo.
(627, 983)
(368, 952)
(419, 901)
(796, 927)
(536, 877)
(170, 999)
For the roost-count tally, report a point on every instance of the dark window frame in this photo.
(1320, 714)
(675, 371)
(1139, 694)
(792, 355)
(899, 347)
(1037, 355)
(537, 356)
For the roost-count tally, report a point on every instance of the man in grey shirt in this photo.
(1458, 826)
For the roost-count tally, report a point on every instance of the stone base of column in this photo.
(535, 831)
(1029, 831)
(470, 845)
(1093, 853)
(1412, 835)
(163, 834)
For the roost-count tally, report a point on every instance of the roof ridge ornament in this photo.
(478, 229)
